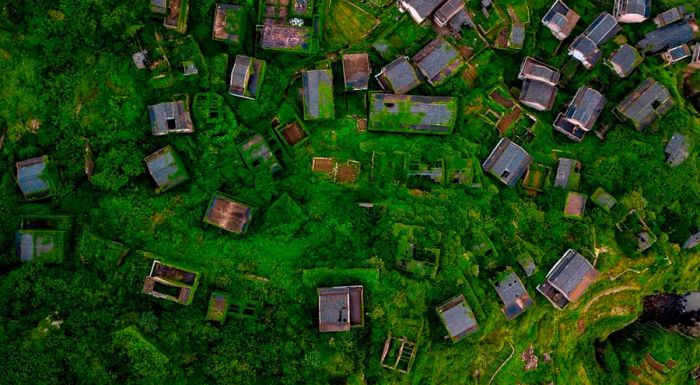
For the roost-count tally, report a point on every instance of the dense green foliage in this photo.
(69, 82)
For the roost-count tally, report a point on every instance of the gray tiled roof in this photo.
(585, 108)
(317, 86)
(514, 296)
(560, 19)
(458, 319)
(538, 94)
(649, 101)
(572, 275)
(536, 70)
(240, 72)
(423, 8)
(584, 49)
(677, 149)
(602, 29)
(436, 59)
(636, 7)
(626, 58)
(165, 168)
(448, 10)
(508, 162)
(669, 16)
(169, 117)
(693, 241)
(564, 169)
(399, 76)
(666, 37)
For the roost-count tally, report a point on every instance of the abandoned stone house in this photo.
(568, 279)
(356, 71)
(413, 114)
(228, 20)
(340, 308)
(246, 77)
(171, 282)
(318, 94)
(649, 101)
(166, 169)
(568, 175)
(508, 162)
(581, 114)
(560, 19)
(539, 84)
(170, 117)
(514, 295)
(438, 61)
(36, 178)
(228, 214)
(458, 318)
(398, 77)
(624, 60)
(585, 47)
(632, 11)
(677, 149)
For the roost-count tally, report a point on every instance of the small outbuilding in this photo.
(603, 199)
(676, 54)
(568, 174)
(575, 205)
(670, 16)
(219, 304)
(677, 149)
(45, 245)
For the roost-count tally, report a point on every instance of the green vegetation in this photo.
(69, 84)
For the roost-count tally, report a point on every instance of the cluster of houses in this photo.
(284, 27)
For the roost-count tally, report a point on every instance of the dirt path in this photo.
(607, 292)
(504, 363)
